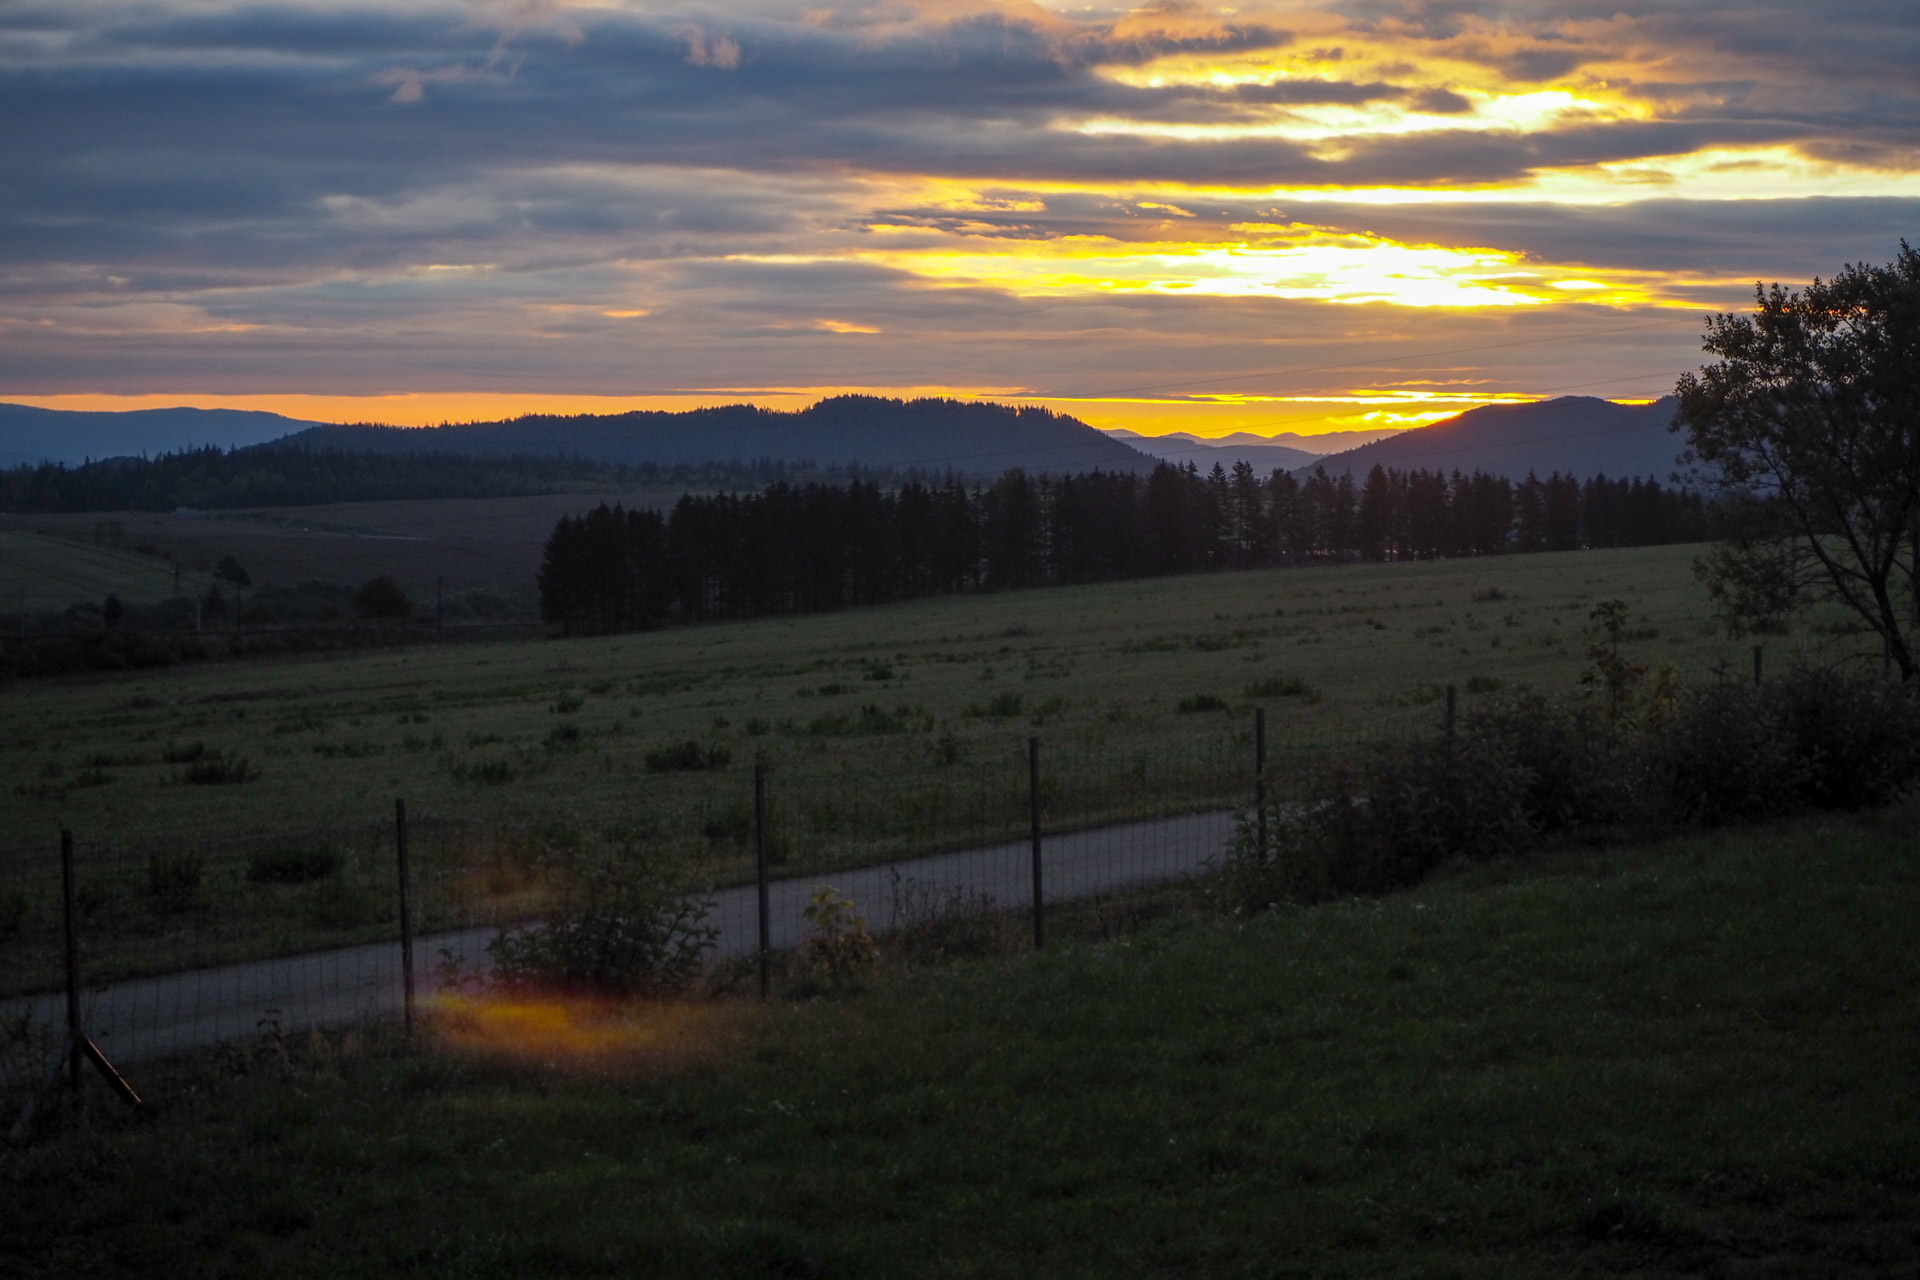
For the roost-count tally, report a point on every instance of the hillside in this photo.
(1181, 448)
(30, 436)
(937, 435)
(1576, 435)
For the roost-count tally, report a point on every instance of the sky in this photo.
(1181, 216)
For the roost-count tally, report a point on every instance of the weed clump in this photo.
(1200, 702)
(173, 880)
(291, 864)
(1282, 687)
(686, 757)
(217, 770)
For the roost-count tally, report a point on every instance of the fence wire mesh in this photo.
(185, 944)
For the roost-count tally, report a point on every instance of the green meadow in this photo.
(244, 808)
(561, 730)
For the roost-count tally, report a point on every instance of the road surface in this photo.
(154, 1017)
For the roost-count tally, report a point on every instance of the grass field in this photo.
(889, 732)
(1687, 1059)
(482, 543)
(561, 729)
(50, 572)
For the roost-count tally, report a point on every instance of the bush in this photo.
(1383, 825)
(1726, 758)
(632, 931)
(839, 946)
(1200, 702)
(173, 880)
(1857, 741)
(1582, 771)
(1282, 687)
(382, 599)
(217, 770)
(687, 757)
(291, 865)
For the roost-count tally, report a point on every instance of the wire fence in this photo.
(179, 944)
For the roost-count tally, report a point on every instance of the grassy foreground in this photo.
(1696, 1057)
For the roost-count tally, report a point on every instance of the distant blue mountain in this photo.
(1575, 435)
(30, 436)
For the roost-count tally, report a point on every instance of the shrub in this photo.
(217, 770)
(839, 945)
(631, 931)
(1726, 758)
(173, 880)
(1582, 771)
(688, 757)
(1426, 803)
(939, 922)
(1282, 687)
(291, 865)
(492, 773)
(380, 599)
(1857, 741)
(193, 751)
(1200, 702)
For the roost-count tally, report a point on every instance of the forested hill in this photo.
(279, 475)
(932, 435)
(1575, 435)
(30, 436)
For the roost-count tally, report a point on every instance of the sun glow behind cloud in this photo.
(571, 207)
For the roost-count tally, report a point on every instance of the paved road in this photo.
(154, 1017)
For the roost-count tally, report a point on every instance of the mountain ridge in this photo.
(1581, 436)
(872, 431)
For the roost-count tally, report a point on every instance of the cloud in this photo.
(722, 53)
(416, 189)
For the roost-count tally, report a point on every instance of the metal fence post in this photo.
(406, 910)
(67, 894)
(1033, 804)
(1260, 778)
(1453, 710)
(1757, 650)
(760, 873)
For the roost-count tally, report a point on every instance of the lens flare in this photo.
(581, 1033)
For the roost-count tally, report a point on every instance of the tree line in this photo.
(278, 474)
(807, 548)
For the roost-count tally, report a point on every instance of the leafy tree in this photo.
(1809, 428)
(231, 570)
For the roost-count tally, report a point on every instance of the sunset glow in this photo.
(1173, 216)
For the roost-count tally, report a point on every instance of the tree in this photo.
(1808, 428)
(232, 571)
(382, 597)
